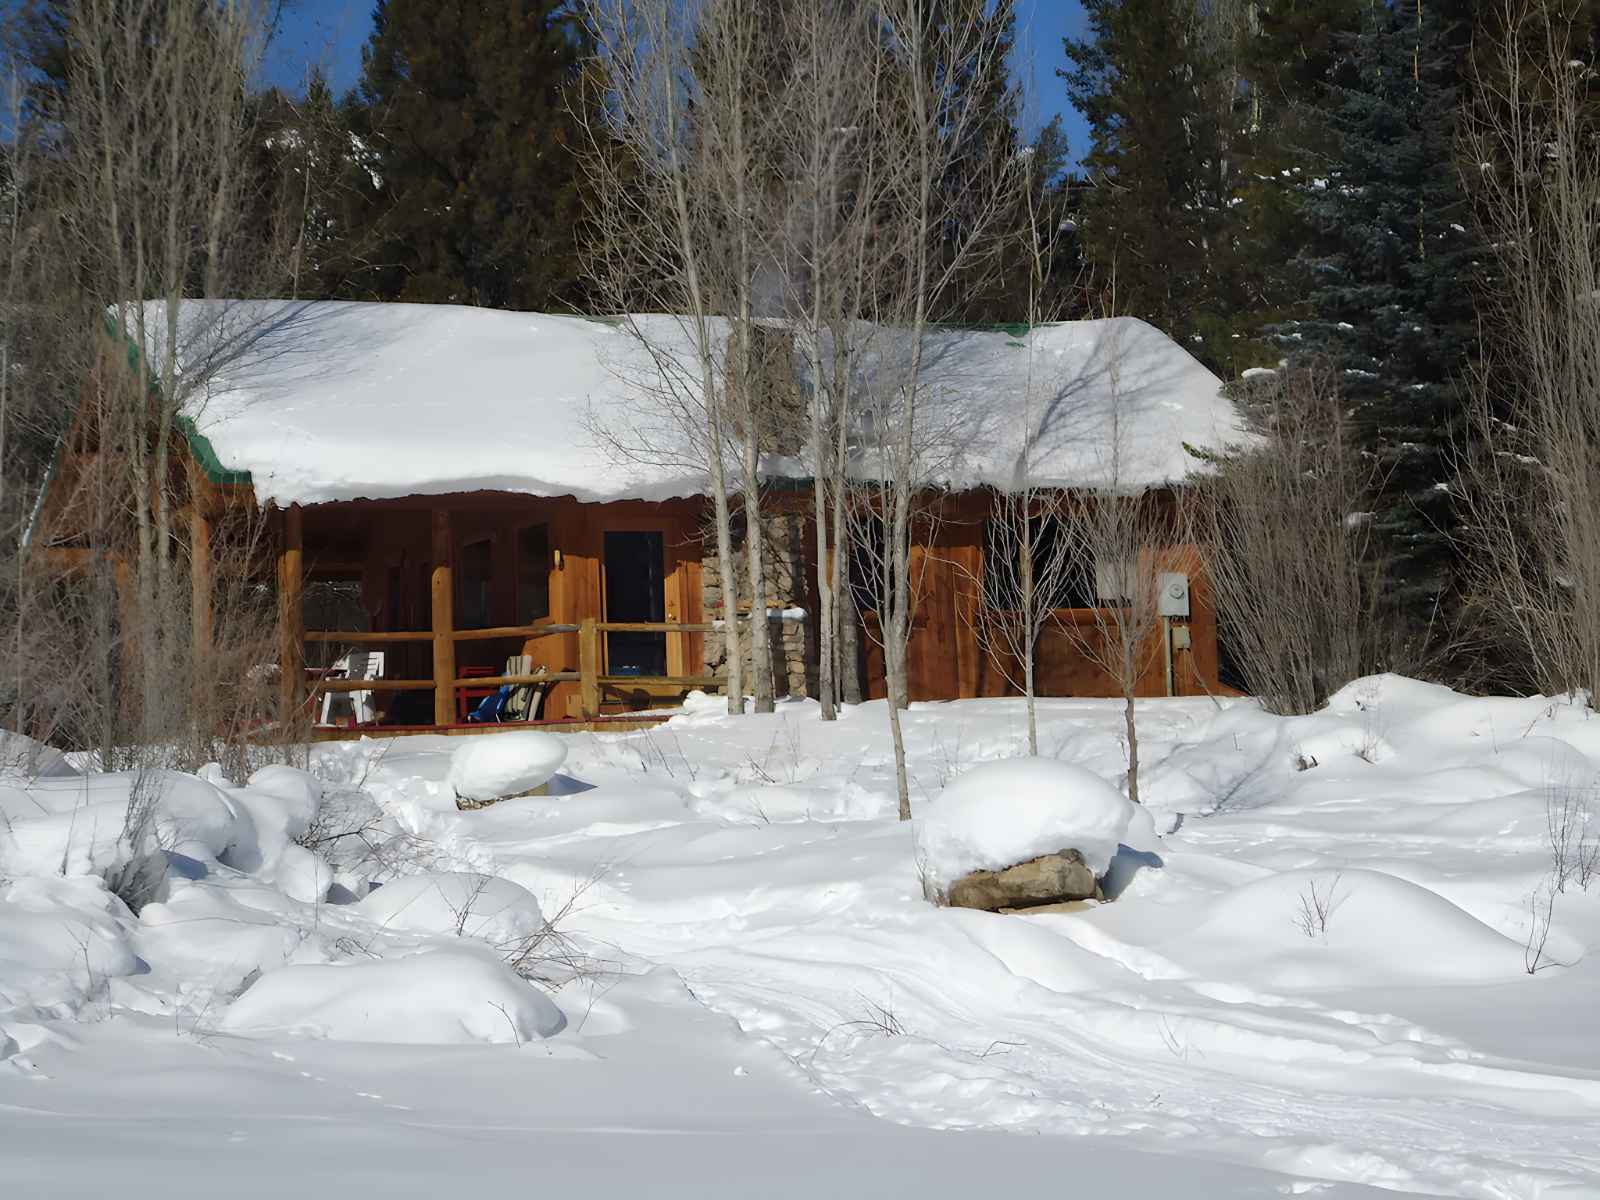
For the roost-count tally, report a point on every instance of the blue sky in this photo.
(331, 32)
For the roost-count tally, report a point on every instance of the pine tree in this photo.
(1390, 277)
(473, 146)
(1158, 91)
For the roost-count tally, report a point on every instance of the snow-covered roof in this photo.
(332, 400)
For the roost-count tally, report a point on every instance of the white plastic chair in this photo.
(358, 664)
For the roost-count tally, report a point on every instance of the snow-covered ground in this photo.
(1313, 977)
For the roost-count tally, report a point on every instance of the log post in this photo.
(589, 669)
(200, 585)
(291, 615)
(443, 606)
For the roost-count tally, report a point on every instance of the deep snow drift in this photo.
(1346, 951)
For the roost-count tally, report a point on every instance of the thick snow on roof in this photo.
(1107, 403)
(323, 401)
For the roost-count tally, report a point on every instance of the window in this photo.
(1073, 585)
(533, 573)
(473, 590)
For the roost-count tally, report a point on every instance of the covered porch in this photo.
(603, 599)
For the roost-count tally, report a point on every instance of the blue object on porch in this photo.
(493, 706)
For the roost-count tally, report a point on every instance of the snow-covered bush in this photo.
(438, 997)
(1006, 812)
(463, 903)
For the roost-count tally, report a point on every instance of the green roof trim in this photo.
(205, 454)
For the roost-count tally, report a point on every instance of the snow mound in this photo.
(437, 998)
(1377, 930)
(60, 940)
(298, 794)
(1006, 812)
(505, 764)
(460, 902)
(71, 825)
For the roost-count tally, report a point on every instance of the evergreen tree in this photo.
(473, 149)
(324, 188)
(1159, 94)
(1390, 276)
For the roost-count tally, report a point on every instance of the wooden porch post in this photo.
(443, 602)
(589, 668)
(291, 615)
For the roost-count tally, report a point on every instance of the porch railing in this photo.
(592, 682)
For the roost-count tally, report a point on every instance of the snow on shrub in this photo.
(439, 997)
(297, 795)
(500, 912)
(1006, 812)
(71, 825)
(60, 941)
(211, 936)
(505, 764)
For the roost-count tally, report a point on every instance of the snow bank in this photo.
(1006, 812)
(460, 902)
(439, 997)
(1299, 930)
(505, 764)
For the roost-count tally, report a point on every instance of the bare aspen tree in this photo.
(732, 78)
(649, 241)
(156, 122)
(1290, 549)
(1122, 524)
(929, 129)
(1031, 561)
(831, 180)
(1531, 487)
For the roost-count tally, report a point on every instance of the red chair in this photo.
(467, 698)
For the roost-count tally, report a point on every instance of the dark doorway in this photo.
(635, 591)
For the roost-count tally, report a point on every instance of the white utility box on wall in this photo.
(1172, 598)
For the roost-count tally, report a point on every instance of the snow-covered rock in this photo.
(438, 997)
(496, 765)
(1002, 813)
(498, 911)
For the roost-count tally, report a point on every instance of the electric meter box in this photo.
(1172, 597)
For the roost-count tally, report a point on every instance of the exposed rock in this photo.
(466, 804)
(1048, 879)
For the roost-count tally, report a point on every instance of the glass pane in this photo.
(476, 577)
(533, 573)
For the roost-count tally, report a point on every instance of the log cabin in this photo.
(456, 486)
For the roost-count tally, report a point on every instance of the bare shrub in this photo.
(139, 875)
(1531, 474)
(354, 836)
(1317, 904)
(1572, 827)
(1541, 911)
(551, 954)
(1286, 521)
